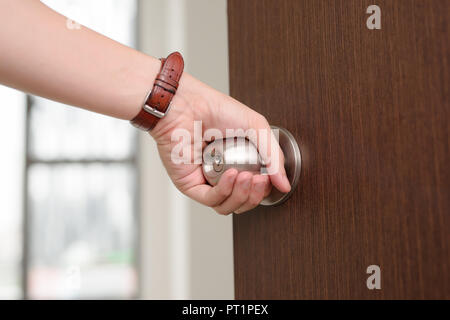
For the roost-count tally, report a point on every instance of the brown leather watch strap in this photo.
(158, 101)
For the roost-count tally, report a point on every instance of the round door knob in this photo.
(241, 154)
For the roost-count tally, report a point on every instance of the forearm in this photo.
(41, 55)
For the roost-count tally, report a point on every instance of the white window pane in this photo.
(12, 104)
(12, 122)
(60, 131)
(82, 231)
(112, 18)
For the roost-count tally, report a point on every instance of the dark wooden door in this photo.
(370, 109)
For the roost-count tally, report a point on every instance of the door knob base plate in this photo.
(292, 164)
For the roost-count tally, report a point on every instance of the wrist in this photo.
(141, 77)
(198, 96)
(193, 101)
(158, 100)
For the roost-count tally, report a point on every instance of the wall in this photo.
(186, 248)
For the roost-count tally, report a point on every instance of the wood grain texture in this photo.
(370, 109)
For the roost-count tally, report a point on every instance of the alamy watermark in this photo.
(72, 280)
(72, 25)
(374, 280)
(374, 20)
(189, 146)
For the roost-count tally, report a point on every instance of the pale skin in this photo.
(40, 55)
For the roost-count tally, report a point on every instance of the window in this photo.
(80, 187)
(12, 129)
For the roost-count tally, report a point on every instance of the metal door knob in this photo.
(241, 154)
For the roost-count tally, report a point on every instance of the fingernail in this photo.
(232, 176)
(259, 187)
(286, 180)
(247, 183)
(231, 172)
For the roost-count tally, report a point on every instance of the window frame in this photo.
(29, 161)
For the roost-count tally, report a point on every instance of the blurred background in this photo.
(86, 208)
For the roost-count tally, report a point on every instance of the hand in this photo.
(235, 192)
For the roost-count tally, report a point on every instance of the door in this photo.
(370, 110)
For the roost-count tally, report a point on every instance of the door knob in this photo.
(242, 154)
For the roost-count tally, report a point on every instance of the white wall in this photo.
(186, 249)
(12, 146)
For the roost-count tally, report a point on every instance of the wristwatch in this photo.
(158, 100)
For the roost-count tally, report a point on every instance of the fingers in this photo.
(213, 196)
(218, 194)
(260, 188)
(271, 154)
(235, 192)
(249, 190)
(235, 116)
(239, 195)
